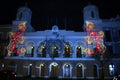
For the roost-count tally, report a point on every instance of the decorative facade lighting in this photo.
(95, 38)
(16, 38)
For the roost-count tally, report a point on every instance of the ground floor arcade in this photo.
(67, 68)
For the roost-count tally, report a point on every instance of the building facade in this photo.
(4, 38)
(60, 53)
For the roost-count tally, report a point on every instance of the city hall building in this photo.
(59, 53)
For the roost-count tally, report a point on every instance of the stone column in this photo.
(35, 51)
(73, 52)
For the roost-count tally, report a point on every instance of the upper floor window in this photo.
(7, 38)
(78, 51)
(67, 50)
(109, 49)
(119, 34)
(29, 49)
(92, 14)
(0, 35)
(41, 51)
(108, 36)
(54, 50)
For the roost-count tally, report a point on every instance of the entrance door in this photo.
(67, 71)
(79, 71)
(41, 70)
(53, 69)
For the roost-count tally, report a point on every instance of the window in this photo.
(67, 50)
(54, 50)
(78, 52)
(92, 14)
(111, 69)
(20, 16)
(41, 51)
(108, 36)
(109, 49)
(29, 50)
(0, 35)
(119, 34)
(7, 38)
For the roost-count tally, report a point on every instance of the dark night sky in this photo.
(46, 13)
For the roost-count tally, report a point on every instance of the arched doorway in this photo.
(79, 70)
(111, 69)
(67, 71)
(53, 71)
(42, 70)
(30, 70)
(78, 52)
(27, 70)
(95, 71)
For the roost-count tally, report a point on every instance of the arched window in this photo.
(78, 52)
(54, 50)
(67, 71)
(108, 36)
(79, 70)
(67, 50)
(92, 14)
(41, 51)
(20, 16)
(53, 71)
(95, 70)
(29, 50)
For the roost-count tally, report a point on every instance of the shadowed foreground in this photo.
(28, 78)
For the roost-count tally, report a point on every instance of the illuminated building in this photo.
(61, 53)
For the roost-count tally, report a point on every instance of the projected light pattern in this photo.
(17, 38)
(95, 38)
